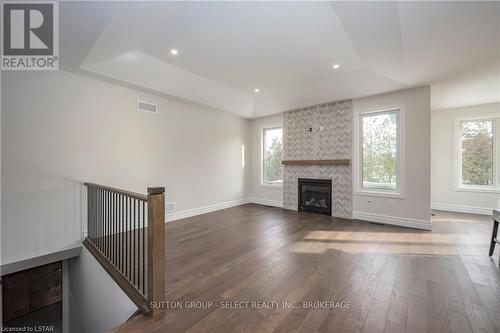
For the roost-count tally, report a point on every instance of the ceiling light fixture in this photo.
(336, 66)
(174, 52)
(256, 90)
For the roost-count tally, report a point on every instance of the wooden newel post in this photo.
(156, 250)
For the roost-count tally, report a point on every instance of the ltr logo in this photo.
(30, 35)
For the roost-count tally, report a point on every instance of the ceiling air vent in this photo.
(147, 107)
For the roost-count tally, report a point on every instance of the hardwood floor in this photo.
(394, 279)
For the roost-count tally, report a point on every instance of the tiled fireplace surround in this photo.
(322, 132)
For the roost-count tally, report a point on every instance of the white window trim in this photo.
(457, 162)
(263, 182)
(399, 192)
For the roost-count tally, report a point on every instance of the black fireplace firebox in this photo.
(315, 196)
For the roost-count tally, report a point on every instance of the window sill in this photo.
(477, 190)
(394, 195)
(277, 186)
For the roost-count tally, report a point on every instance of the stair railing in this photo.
(126, 234)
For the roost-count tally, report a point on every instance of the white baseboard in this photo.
(267, 202)
(462, 209)
(392, 220)
(399, 221)
(169, 217)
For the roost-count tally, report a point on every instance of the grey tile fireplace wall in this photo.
(322, 132)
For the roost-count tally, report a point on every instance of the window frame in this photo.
(457, 175)
(399, 191)
(263, 181)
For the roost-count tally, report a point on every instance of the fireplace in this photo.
(315, 196)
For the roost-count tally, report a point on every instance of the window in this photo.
(379, 152)
(272, 152)
(478, 153)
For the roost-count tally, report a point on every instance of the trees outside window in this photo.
(477, 153)
(379, 136)
(272, 150)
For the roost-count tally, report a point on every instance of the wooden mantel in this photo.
(317, 162)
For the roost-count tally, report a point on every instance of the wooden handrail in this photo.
(130, 194)
(128, 240)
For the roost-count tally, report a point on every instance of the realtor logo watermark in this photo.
(30, 35)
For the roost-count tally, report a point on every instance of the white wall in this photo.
(444, 195)
(96, 303)
(60, 129)
(415, 208)
(263, 194)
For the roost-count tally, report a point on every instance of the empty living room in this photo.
(250, 166)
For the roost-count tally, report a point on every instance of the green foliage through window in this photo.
(380, 150)
(477, 152)
(273, 154)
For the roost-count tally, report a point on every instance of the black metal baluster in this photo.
(92, 211)
(100, 220)
(94, 214)
(122, 239)
(108, 225)
(115, 208)
(104, 231)
(113, 241)
(139, 248)
(127, 236)
(136, 257)
(134, 241)
(105, 218)
(94, 220)
(119, 232)
(144, 248)
(101, 223)
(124, 235)
(88, 213)
(117, 227)
(129, 239)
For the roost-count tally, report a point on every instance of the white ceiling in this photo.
(286, 49)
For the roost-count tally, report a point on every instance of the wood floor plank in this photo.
(362, 298)
(437, 314)
(379, 308)
(417, 314)
(398, 304)
(478, 318)
(454, 303)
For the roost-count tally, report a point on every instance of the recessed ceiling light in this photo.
(174, 52)
(256, 90)
(336, 66)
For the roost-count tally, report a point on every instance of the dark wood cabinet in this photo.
(31, 289)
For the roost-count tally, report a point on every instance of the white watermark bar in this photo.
(232, 305)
